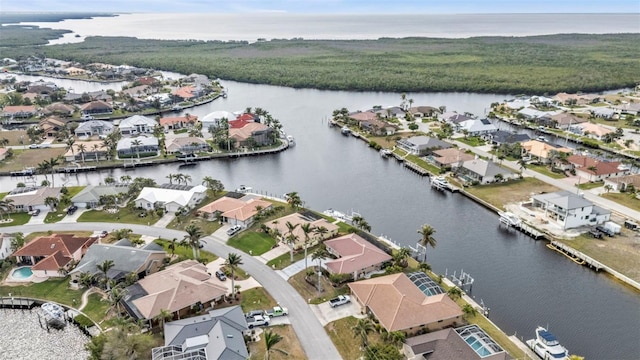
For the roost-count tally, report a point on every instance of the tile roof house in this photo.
(51, 125)
(296, 218)
(400, 306)
(128, 147)
(89, 197)
(93, 151)
(96, 107)
(33, 199)
(126, 259)
(356, 256)
(485, 171)
(217, 335)
(261, 133)
(178, 122)
(186, 145)
(185, 93)
(422, 145)
(137, 124)
(179, 288)
(378, 127)
(541, 151)
(568, 210)
(594, 170)
(235, 211)
(595, 131)
(60, 109)
(565, 120)
(48, 254)
(19, 111)
(170, 199)
(423, 111)
(623, 183)
(452, 157)
(94, 127)
(213, 119)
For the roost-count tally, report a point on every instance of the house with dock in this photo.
(355, 256)
(569, 210)
(592, 169)
(541, 151)
(137, 124)
(171, 197)
(422, 145)
(484, 171)
(297, 220)
(234, 211)
(94, 128)
(142, 146)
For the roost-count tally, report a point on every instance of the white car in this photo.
(233, 230)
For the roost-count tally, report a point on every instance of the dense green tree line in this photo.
(532, 65)
(18, 35)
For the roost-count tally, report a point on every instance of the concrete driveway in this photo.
(326, 314)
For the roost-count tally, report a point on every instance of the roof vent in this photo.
(53, 245)
(230, 336)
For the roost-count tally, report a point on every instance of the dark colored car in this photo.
(72, 209)
(221, 276)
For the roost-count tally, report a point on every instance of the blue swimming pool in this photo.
(22, 273)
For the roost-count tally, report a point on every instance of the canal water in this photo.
(519, 279)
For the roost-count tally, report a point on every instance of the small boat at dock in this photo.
(291, 140)
(385, 153)
(244, 189)
(337, 215)
(440, 183)
(547, 346)
(345, 130)
(509, 218)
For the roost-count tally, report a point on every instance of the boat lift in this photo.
(464, 281)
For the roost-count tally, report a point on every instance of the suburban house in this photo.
(241, 131)
(137, 124)
(355, 256)
(94, 127)
(50, 126)
(485, 171)
(568, 210)
(476, 127)
(29, 199)
(595, 131)
(126, 259)
(454, 118)
(298, 219)
(218, 335)
(422, 145)
(86, 151)
(603, 112)
(186, 93)
(627, 109)
(399, 305)
(594, 170)
(59, 109)
(391, 112)
(182, 289)
(186, 145)
(541, 151)
(178, 122)
(5, 245)
(214, 118)
(89, 197)
(530, 113)
(505, 137)
(562, 120)
(423, 111)
(97, 107)
(450, 158)
(49, 254)
(143, 146)
(623, 183)
(19, 111)
(235, 211)
(378, 127)
(139, 91)
(170, 200)
(468, 342)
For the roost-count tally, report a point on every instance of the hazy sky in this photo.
(327, 6)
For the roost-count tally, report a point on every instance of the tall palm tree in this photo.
(293, 199)
(82, 148)
(362, 330)
(104, 268)
(125, 179)
(320, 230)
(290, 237)
(270, 340)
(233, 261)
(52, 202)
(194, 233)
(320, 254)
(427, 238)
(171, 177)
(136, 143)
(116, 295)
(6, 206)
(400, 257)
(162, 317)
(306, 230)
(212, 184)
(95, 148)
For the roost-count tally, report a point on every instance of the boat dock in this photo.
(16, 303)
(575, 256)
(416, 168)
(440, 183)
(522, 227)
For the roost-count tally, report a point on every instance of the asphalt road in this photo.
(313, 338)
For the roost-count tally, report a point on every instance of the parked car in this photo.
(34, 146)
(258, 320)
(35, 212)
(340, 300)
(104, 233)
(233, 230)
(277, 311)
(253, 313)
(604, 230)
(71, 209)
(221, 276)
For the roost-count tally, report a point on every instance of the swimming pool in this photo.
(22, 273)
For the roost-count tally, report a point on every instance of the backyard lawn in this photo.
(308, 291)
(124, 215)
(96, 308)
(500, 194)
(185, 252)
(256, 299)
(57, 290)
(343, 337)
(254, 243)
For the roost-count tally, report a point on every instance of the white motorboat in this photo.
(546, 345)
(337, 215)
(385, 152)
(244, 189)
(291, 140)
(509, 218)
(440, 183)
(345, 130)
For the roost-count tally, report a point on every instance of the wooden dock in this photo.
(575, 255)
(416, 168)
(17, 303)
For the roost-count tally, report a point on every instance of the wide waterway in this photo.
(524, 283)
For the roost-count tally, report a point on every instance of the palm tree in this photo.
(427, 238)
(162, 317)
(104, 268)
(6, 206)
(172, 246)
(306, 229)
(86, 279)
(401, 256)
(454, 293)
(194, 233)
(4, 142)
(212, 184)
(233, 261)
(362, 330)
(319, 255)
(320, 230)
(52, 202)
(136, 143)
(95, 148)
(82, 148)
(270, 340)
(291, 238)
(125, 179)
(170, 177)
(116, 295)
(293, 199)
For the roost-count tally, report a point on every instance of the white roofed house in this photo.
(137, 124)
(422, 145)
(484, 171)
(477, 127)
(568, 210)
(33, 198)
(186, 145)
(213, 119)
(94, 127)
(86, 151)
(143, 146)
(171, 200)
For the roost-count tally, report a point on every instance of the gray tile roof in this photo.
(564, 199)
(485, 168)
(125, 259)
(92, 193)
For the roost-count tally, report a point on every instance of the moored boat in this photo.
(345, 130)
(509, 218)
(291, 140)
(440, 183)
(547, 346)
(385, 152)
(244, 189)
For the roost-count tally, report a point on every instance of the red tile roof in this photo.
(13, 109)
(58, 249)
(238, 124)
(355, 254)
(601, 167)
(185, 92)
(245, 117)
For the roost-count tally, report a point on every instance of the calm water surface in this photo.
(524, 283)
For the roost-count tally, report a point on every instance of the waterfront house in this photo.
(19, 111)
(217, 335)
(423, 111)
(603, 112)
(5, 245)
(97, 107)
(178, 122)
(241, 131)
(29, 199)
(139, 91)
(476, 127)
(51, 125)
(214, 118)
(298, 219)
(594, 170)
(49, 254)
(623, 183)
(93, 151)
(422, 145)
(468, 342)
(143, 146)
(454, 118)
(627, 109)
(378, 127)
(186, 145)
(171, 200)
(564, 120)
(391, 112)
(137, 124)
(484, 171)
(94, 128)
(126, 259)
(530, 113)
(355, 256)
(591, 130)
(505, 137)
(187, 93)
(182, 289)
(89, 197)
(234, 211)
(568, 210)
(59, 109)
(399, 305)
(450, 158)
(542, 152)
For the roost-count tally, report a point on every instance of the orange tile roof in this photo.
(297, 218)
(185, 92)
(12, 109)
(355, 254)
(541, 149)
(246, 131)
(177, 120)
(399, 305)
(58, 249)
(53, 262)
(235, 208)
(601, 167)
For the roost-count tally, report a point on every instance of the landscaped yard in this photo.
(500, 194)
(96, 308)
(185, 252)
(343, 337)
(287, 349)
(284, 260)
(590, 185)
(308, 291)
(20, 218)
(124, 215)
(254, 243)
(423, 164)
(472, 141)
(55, 216)
(53, 289)
(624, 199)
(545, 171)
(256, 299)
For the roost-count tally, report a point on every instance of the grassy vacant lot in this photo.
(14, 137)
(545, 171)
(18, 219)
(287, 349)
(256, 299)
(254, 243)
(29, 157)
(308, 291)
(590, 185)
(53, 289)
(284, 260)
(186, 252)
(624, 199)
(124, 215)
(513, 191)
(208, 227)
(342, 336)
